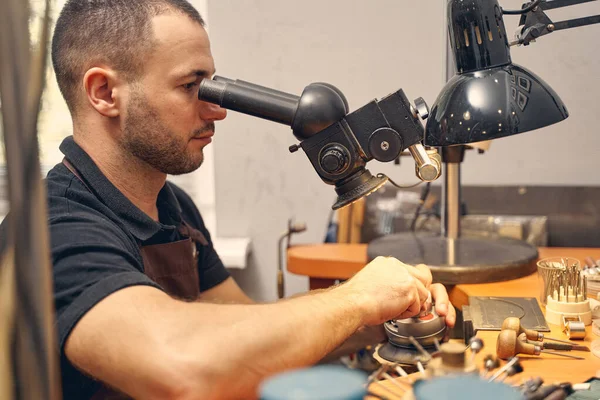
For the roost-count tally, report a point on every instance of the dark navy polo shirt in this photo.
(95, 234)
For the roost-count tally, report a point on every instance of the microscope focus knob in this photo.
(422, 108)
(334, 159)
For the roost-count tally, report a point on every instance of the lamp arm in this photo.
(535, 23)
(552, 4)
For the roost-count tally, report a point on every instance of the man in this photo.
(138, 287)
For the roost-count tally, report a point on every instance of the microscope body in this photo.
(337, 143)
(379, 130)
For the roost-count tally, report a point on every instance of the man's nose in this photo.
(212, 112)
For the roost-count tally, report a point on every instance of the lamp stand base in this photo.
(462, 260)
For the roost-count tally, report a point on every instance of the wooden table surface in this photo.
(323, 263)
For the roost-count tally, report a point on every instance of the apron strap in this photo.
(71, 168)
(192, 233)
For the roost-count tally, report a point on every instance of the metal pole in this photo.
(451, 184)
(33, 352)
(451, 196)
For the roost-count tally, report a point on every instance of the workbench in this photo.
(326, 263)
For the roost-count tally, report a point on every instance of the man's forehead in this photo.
(180, 44)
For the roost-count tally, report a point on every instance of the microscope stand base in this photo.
(462, 260)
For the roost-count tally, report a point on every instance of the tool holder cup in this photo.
(563, 291)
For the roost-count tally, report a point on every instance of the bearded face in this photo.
(147, 137)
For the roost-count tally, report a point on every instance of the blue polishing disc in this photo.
(463, 387)
(323, 382)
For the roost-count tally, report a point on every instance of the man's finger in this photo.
(440, 297)
(422, 273)
(442, 303)
(422, 291)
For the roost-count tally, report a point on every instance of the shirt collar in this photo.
(139, 223)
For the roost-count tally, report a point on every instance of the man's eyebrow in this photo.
(198, 72)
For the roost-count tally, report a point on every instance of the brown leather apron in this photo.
(174, 266)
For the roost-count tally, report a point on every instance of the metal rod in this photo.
(559, 340)
(552, 4)
(576, 22)
(427, 170)
(374, 378)
(564, 355)
(400, 370)
(415, 343)
(451, 201)
(450, 225)
(506, 366)
(420, 368)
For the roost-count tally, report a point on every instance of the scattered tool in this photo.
(508, 345)
(452, 360)
(510, 365)
(476, 344)
(490, 363)
(513, 323)
(574, 327)
(549, 392)
(558, 346)
(380, 373)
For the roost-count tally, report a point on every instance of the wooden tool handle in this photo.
(513, 323)
(508, 345)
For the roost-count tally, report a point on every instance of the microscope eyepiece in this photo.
(249, 100)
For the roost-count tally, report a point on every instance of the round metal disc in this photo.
(464, 260)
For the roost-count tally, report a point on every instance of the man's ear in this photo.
(103, 91)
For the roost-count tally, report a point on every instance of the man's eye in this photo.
(190, 86)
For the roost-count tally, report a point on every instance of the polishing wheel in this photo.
(426, 329)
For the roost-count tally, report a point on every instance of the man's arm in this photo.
(149, 345)
(227, 291)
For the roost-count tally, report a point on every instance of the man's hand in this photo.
(390, 289)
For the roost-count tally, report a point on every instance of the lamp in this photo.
(488, 98)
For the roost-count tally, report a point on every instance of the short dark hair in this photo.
(115, 32)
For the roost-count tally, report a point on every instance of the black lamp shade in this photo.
(490, 97)
(491, 104)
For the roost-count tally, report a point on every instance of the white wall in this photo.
(369, 49)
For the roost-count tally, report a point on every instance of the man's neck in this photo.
(139, 182)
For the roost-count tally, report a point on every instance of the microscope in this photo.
(338, 145)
